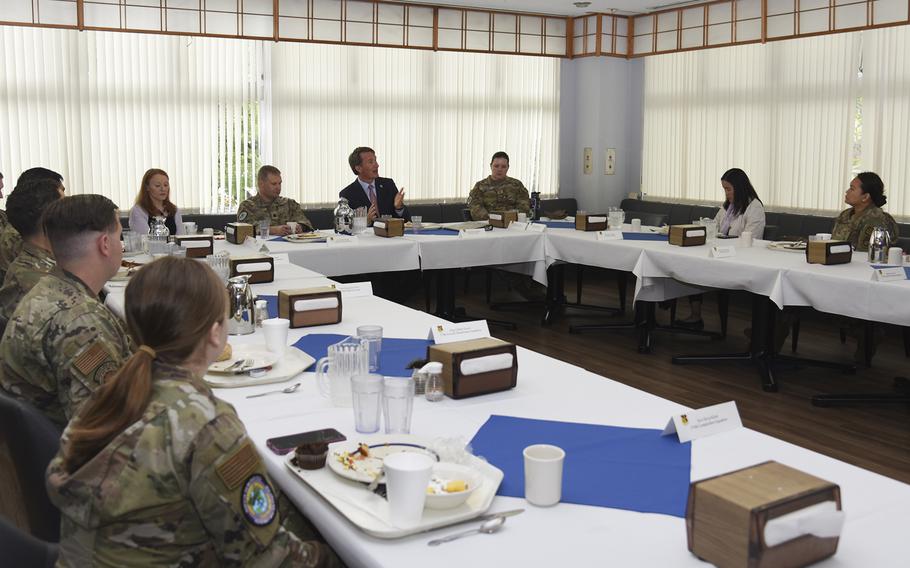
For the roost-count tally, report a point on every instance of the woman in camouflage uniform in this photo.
(154, 470)
(866, 197)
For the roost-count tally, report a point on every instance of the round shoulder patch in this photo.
(258, 501)
(242, 216)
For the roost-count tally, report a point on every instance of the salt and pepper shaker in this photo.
(433, 382)
(262, 312)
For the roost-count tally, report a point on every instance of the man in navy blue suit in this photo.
(379, 195)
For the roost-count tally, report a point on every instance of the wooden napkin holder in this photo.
(502, 219)
(459, 385)
(688, 235)
(197, 246)
(726, 516)
(307, 307)
(260, 268)
(393, 227)
(238, 232)
(585, 222)
(828, 252)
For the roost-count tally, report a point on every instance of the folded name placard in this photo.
(467, 233)
(354, 289)
(519, 226)
(704, 422)
(609, 235)
(719, 251)
(448, 332)
(889, 274)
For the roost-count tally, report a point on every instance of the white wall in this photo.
(600, 108)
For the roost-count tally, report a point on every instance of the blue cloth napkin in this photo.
(393, 359)
(606, 466)
(557, 224)
(277, 239)
(906, 268)
(272, 303)
(643, 237)
(447, 232)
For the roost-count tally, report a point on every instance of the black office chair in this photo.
(22, 549)
(33, 441)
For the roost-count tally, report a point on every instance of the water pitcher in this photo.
(241, 318)
(333, 372)
(879, 243)
(344, 218)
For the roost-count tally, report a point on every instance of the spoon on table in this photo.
(489, 527)
(286, 390)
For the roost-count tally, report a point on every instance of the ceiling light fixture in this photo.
(582, 4)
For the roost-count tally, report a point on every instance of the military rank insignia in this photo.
(258, 501)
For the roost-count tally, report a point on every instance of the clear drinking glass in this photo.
(710, 230)
(416, 223)
(264, 229)
(397, 403)
(367, 393)
(371, 335)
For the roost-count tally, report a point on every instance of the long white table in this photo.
(876, 507)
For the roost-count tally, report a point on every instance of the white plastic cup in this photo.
(367, 393)
(895, 256)
(522, 217)
(407, 475)
(745, 239)
(208, 232)
(275, 331)
(189, 227)
(397, 403)
(372, 336)
(636, 225)
(543, 474)
(292, 225)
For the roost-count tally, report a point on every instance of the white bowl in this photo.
(452, 471)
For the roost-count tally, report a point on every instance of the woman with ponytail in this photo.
(154, 470)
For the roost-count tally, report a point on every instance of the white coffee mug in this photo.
(543, 474)
(636, 225)
(745, 238)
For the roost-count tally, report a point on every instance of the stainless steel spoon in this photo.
(489, 527)
(286, 390)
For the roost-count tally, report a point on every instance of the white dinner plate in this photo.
(788, 246)
(292, 364)
(258, 354)
(306, 238)
(366, 469)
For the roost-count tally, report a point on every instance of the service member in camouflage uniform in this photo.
(498, 192)
(10, 241)
(3, 220)
(268, 204)
(155, 469)
(866, 196)
(62, 343)
(25, 206)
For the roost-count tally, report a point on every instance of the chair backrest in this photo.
(770, 233)
(22, 549)
(33, 441)
(466, 214)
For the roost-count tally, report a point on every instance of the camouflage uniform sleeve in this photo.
(522, 199)
(297, 214)
(475, 203)
(84, 352)
(239, 505)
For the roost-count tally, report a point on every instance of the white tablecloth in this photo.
(665, 271)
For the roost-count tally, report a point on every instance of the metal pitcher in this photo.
(879, 243)
(241, 318)
(344, 218)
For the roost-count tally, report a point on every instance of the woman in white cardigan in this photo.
(154, 200)
(742, 211)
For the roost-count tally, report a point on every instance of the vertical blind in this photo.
(102, 107)
(785, 112)
(800, 116)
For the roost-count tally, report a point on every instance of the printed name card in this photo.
(342, 239)
(722, 251)
(251, 243)
(518, 226)
(704, 422)
(449, 332)
(609, 235)
(466, 233)
(354, 289)
(537, 228)
(889, 274)
(281, 258)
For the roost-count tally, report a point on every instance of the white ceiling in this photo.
(562, 7)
